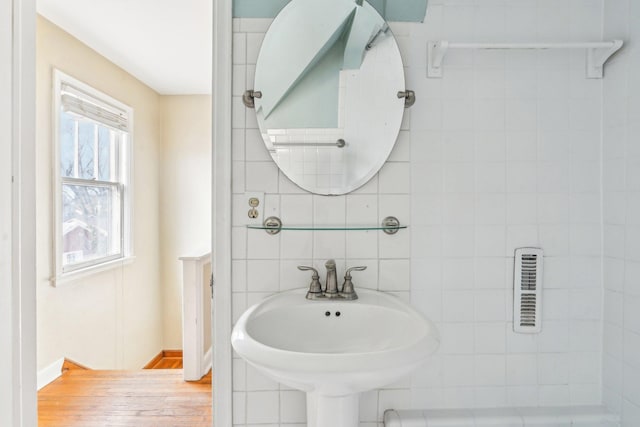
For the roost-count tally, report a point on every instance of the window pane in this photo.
(67, 144)
(105, 172)
(86, 146)
(90, 223)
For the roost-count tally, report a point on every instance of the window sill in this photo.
(66, 278)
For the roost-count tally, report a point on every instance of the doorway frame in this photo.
(221, 209)
(18, 407)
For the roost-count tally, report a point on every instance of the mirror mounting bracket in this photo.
(248, 97)
(409, 97)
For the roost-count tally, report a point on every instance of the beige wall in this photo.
(121, 318)
(185, 200)
(111, 319)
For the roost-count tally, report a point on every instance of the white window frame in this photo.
(125, 159)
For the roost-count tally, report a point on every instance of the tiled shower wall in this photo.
(503, 152)
(621, 177)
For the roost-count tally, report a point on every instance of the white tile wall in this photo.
(258, 400)
(494, 167)
(503, 152)
(621, 154)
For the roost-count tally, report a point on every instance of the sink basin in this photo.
(333, 349)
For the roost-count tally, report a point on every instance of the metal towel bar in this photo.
(339, 143)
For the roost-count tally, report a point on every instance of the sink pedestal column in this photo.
(332, 411)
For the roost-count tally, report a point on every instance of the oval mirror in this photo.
(329, 73)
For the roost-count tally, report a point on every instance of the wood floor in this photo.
(146, 398)
(166, 359)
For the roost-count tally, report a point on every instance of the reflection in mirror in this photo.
(329, 73)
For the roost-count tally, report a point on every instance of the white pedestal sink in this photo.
(332, 349)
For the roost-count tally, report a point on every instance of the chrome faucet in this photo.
(331, 289)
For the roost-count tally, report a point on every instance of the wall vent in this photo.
(527, 290)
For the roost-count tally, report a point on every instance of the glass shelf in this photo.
(273, 225)
(328, 227)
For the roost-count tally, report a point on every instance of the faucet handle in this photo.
(360, 268)
(307, 268)
(348, 292)
(315, 287)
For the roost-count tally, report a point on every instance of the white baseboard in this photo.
(50, 373)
